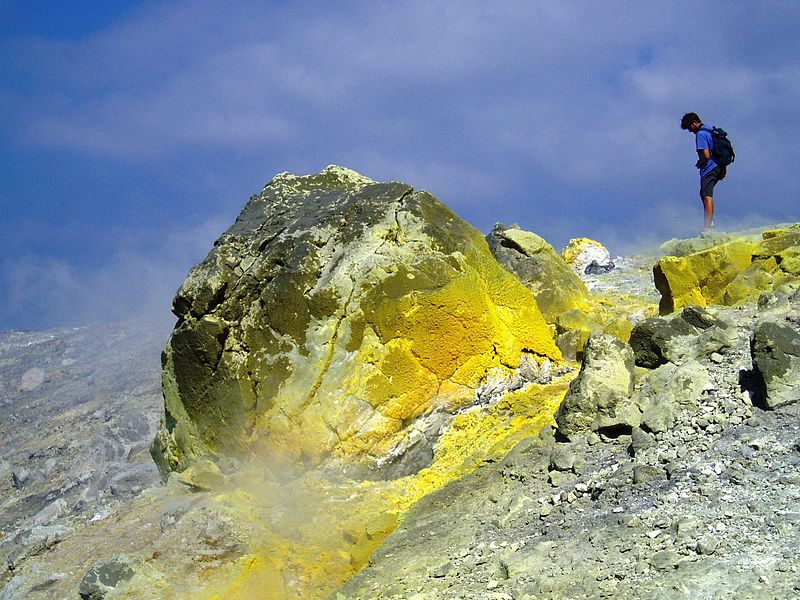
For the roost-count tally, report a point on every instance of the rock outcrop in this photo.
(560, 292)
(332, 319)
(728, 273)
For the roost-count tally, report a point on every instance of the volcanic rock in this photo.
(536, 263)
(693, 333)
(587, 257)
(330, 317)
(776, 359)
(730, 273)
(598, 398)
(102, 578)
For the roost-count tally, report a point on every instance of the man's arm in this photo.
(703, 156)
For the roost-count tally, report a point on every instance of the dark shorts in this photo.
(708, 181)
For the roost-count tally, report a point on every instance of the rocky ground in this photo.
(707, 507)
(79, 407)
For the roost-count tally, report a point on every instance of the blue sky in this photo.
(132, 133)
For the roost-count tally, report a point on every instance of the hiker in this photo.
(710, 171)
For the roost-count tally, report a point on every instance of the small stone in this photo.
(562, 458)
(442, 570)
(686, 526)
(560, 478)
(664, 560)
(493, 585)
(646, 474)
(708, 544)
(654, 533)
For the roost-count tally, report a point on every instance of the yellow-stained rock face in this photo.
(701, 278)
(333, 315)
(729, 273)
(308, 534)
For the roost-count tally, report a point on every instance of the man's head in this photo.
(691, 122)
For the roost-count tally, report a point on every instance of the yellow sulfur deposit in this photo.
(310, 532)
(729, 273)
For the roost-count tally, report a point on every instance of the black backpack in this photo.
(722, 152)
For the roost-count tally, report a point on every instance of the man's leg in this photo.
(708, 212)
(707, 183)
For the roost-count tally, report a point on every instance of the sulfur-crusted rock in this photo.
(333, 315)
(573, 328)
(587, 256)
(706, 240)
(598, 399)
(775, 350)
(700, 278)
(536, 263)
(733, 270)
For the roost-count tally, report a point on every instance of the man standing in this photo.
(710, 172)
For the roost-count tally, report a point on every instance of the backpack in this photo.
(722, 152)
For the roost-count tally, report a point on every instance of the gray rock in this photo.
(598, 399)
(653, 338)
(14, 589)
(104, 577)
(51, 512)
(691, 334)
(686, 527)
(647, 474)
(775, 350)
(708, 544)
(664, 560)
(562, 457)
(23, 476)
(640, 440)
(668, 389)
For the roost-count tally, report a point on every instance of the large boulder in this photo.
(691, 334)
(667, 390)
(332, 316)
(598, 399)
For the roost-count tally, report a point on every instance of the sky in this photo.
(132, 133)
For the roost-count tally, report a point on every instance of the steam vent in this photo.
(344, 319)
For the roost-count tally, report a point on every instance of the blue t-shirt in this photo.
(704, 141)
